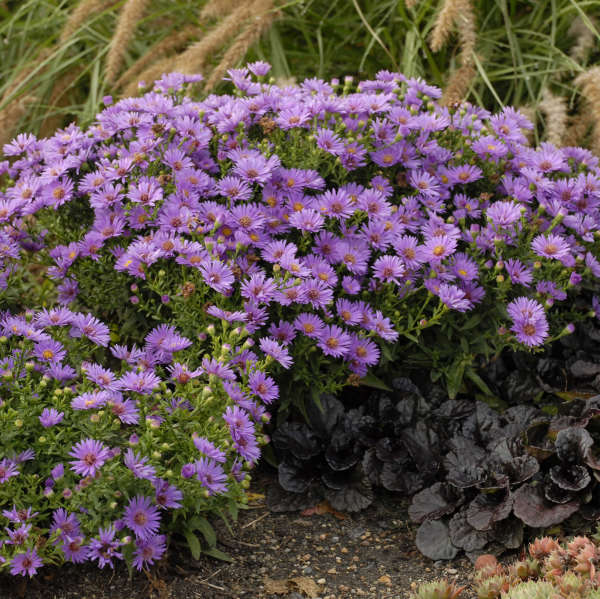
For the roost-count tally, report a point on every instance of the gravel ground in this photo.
(370, 555)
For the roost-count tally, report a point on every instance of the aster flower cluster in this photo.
(112, 451)
(318, 230)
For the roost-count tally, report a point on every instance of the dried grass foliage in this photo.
(589, 82)
(59, 99)
(584, 39)
(216, 9)
(80, 15)
(554, 109)
(261, 22)
(157, 53)
(194, 59)
(444, 24)
(132, 12)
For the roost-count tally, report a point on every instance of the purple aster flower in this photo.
(464, 267)
(518, 272)
(101, 376)
(437, 248)
(148, 550)
(529, 321)
(363, 351)
(503, 214)
(217, 275)
(211, 475)
(67, 523)
(74, 549)
(26, 563)
(18, 536)
(276, 351)
(167, 496)
(318, 293)
(283, 332)
(351, 285)
(49, 351)
(206, 447)
(264, 386)
(86, 325)
(50, 416)
(55, 317)
(453, 297)
(307, 219)
(126, 410)
(551, 246)
(142, 517)
(309, 324)
(8, 469)
(141, 382)
(348, 311)
(383, 327)
(90, 457)
(105, 548)
(388, 268)
(334, 341)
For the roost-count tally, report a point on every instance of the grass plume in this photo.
(554, 109)
(444, 24)
(131, 13)
(82, 12)
(589, 81)
(261, 22)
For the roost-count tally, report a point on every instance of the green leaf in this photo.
(193, 544)
(454, 375)
(218, 554)
(473, 376)
(372, 381)
(208, 532)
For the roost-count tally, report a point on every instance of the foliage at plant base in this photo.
(478, 478)
(61, 57)
(314, 225)
(553, 570)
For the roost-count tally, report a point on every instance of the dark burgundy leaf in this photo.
(509, 532)
(391, 450)
(582, 369)
(573, 444)
(298, 439)
(555, 494)
(295, 477)
(535, 511)
(342, 453)
(372, 467)
(433, 540)
(570, 477)
(489, 508)
(463, 535)
(463, 470)
(395, 477)
(435, 501)
(324, 418)
(422, 443)
(352, 498)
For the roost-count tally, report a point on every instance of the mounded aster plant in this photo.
(287, 241)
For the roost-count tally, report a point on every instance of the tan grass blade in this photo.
(216, 9)
(578, 129)
(58, 99)
(172, 43)
(10, 117)
(151, 74)
(82, 12)
(242, 43)
(131, 13)
(197, 55)
(457, 87)
(444, 23)
(584, 39)
(554, 109)
(589, 82)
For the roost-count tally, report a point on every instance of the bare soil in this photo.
(369, 555)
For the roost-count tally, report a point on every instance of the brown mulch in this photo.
(369, 555)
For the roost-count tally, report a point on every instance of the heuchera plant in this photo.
(321, 222)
